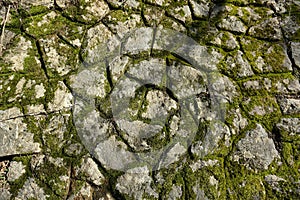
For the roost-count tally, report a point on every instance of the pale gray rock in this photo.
(181, 13)
(135, 182)
(274, 181)
(226, 40)
(239, 122)
(149, 71)
(232, 23)
(289, 125)
(223, 89)
(17, 54)
(185, 81)
(118, 66)
(200, 195)
(296, 52)
(7, 39)
(10, 113)
(89, 82)
(215, 132)
(89, 169)
(74, 149)
(199, 164)
(290, 106)
(172, 155)
(132, 4)
(95, 45)
(175, 193)
(85, 192)
(95, 10)
(154, 15)
(238, 64)
(15, 171)
(200, 8)
(62, 98)
(29, 3)
(256, 150)
(159, 105)
(268, 29)
(120, 27)
(159, 2)
(113, 154)
(16, 139)
(31, 189)
(138, 41)
(5, 194)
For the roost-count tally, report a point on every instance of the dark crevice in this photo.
(42, 61)
(66, 41)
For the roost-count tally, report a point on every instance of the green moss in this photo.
(273, 55)
(264, 109)
(16, 185)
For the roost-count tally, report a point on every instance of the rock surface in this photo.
(154, 99)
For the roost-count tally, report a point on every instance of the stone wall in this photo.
(217, 88)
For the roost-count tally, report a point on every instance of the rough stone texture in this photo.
(212, 110)
(256, 150)
(134, 181)
(296, 52)
(16, 170)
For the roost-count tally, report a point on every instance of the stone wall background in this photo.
(253, 154)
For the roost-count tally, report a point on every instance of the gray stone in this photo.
(185, 81)
(199, 164)
(138, 41)
(289, 125)
(200, 195)
(135, 182)
(175, 193)
(159, 104)
(216, 131)
(113, 154)
(290, 106)
(89, 169)
(290, 26)
(274, 181)
(31, 189)
(154, 16)
(159, 2)
(181, 13)
(238, 65)
(268, 29)
(74, 149)
(239, 122)
(296, 52)
(121, 27)
(95, 10)
(16, 170)
(96, 40)
(7, 40)
(5, 194)
(16, 139)
(17, 54)
(200, 8)
(172, 155)
(256, 150)
(62, 98)
(232, 23)
(85, 192)
(225, 40)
